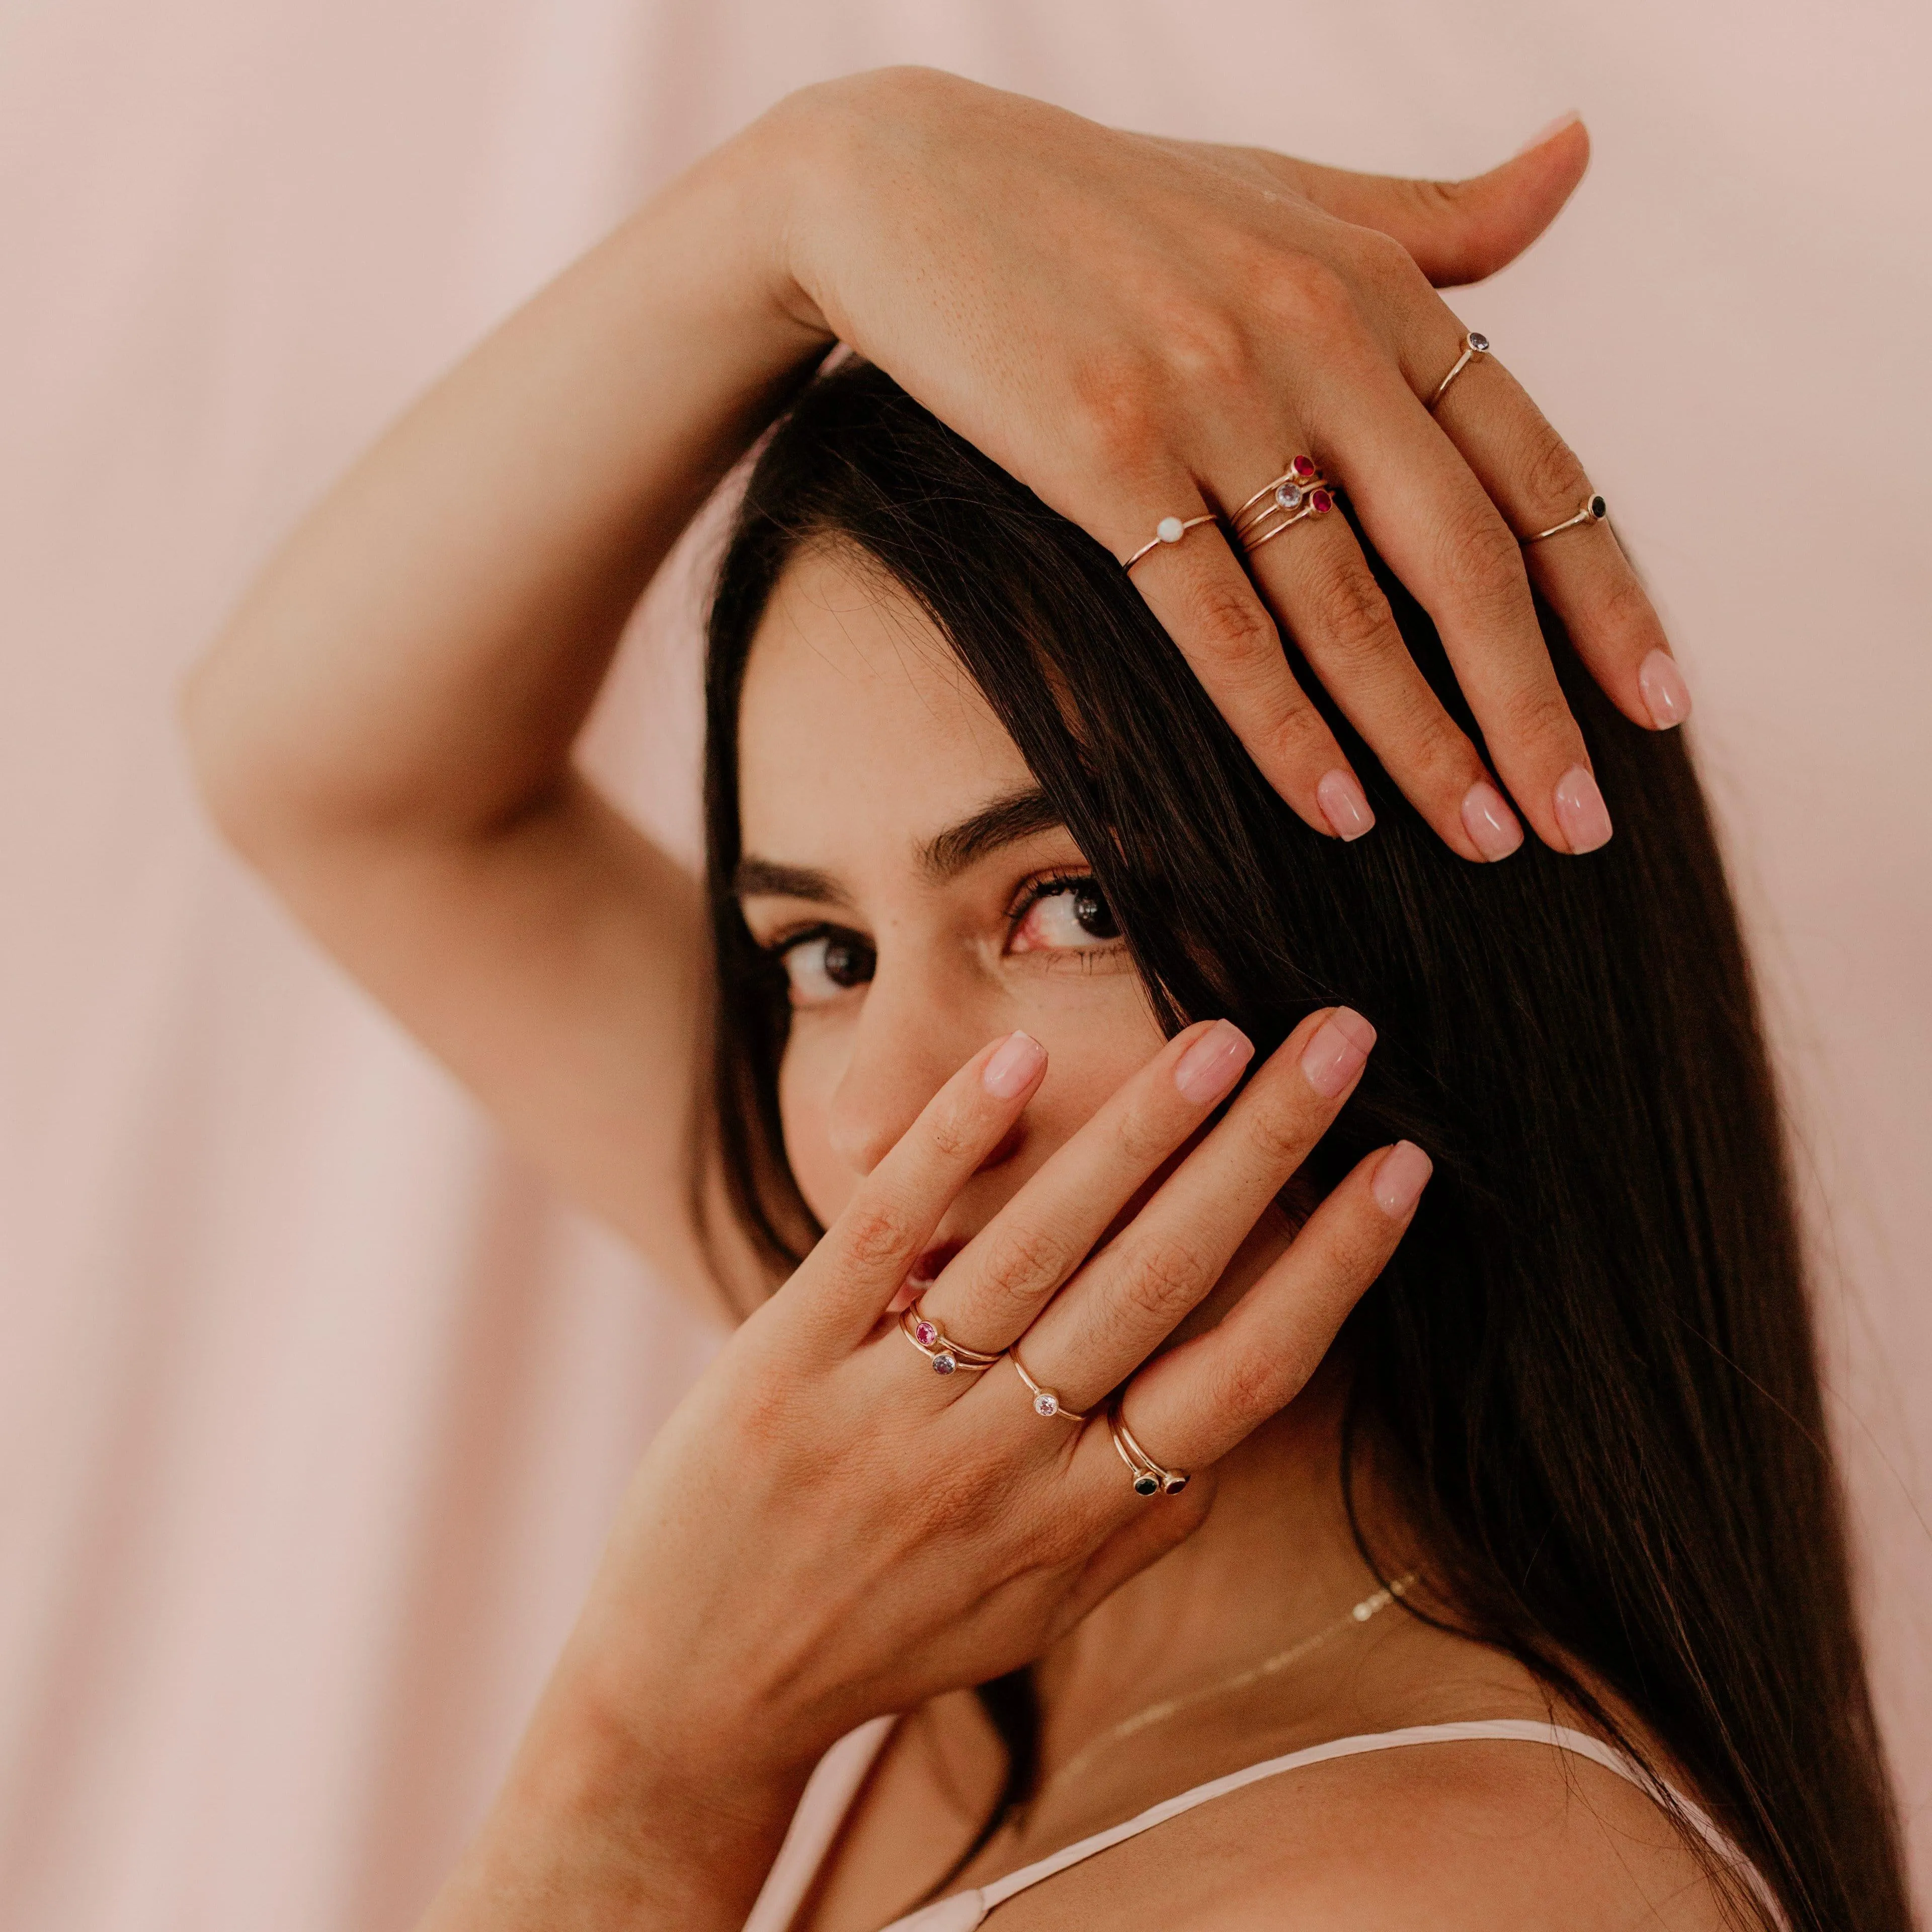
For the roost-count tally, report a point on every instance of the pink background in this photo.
(314, 1402)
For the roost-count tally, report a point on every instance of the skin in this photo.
(386, 728)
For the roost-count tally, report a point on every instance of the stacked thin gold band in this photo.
(1149, 1478)
(1045, 1401)
(1299, 492)
(948, 1357)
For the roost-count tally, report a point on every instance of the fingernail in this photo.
(1211, 1065)
(1550, 133)
(1399, 1180)
(1335, 1055)
(1344, 805)
(1666, 696)
(1489, 822)
(1019, 1057)
(1581, 812)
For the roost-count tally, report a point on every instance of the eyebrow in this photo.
(1007, 820)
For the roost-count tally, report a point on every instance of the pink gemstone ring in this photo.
(1045, 1401)
(948, 1357)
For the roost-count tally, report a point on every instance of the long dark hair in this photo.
(1590, 1365)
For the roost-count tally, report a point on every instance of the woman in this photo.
(1525, 1601)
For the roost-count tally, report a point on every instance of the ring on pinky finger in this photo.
(1149, 1478)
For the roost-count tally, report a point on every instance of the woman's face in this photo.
(901, 858)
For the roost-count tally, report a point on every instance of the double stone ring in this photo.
(1149, 1478)
(948, 1357)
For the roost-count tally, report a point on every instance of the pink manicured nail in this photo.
(1399, 1180)
(1012, 1068)
(1335, 1055)
(1666, 696)
(1211, 1065)
(1489, 822)
(1550, 133)
(1344, 805)
(1581, 812)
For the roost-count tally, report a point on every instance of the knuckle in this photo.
(877, 1231)
(1313, 296)
(1247, 1385)
(1116, 395)
(1211, 349)
(1279, 1131)
(1228, 621)
(1549, 471)
(1021, 1261)
(1166, 1276)
(1480, 561)
(952, 1133)
(1353, 623)
(1536, 714)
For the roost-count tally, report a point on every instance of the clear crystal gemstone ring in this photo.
(1045, 1401)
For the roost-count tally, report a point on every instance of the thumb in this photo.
(1461, 231)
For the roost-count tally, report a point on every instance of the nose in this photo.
(909, 1042)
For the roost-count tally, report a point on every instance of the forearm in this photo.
(422, 651)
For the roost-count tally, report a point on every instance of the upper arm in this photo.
(558, 964)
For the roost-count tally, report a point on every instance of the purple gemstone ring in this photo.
(948, 1357)
(1474, 345)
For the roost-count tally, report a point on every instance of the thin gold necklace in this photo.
(1157, 1713)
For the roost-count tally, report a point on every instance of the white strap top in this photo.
(836, 1783)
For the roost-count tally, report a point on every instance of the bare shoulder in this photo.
(1498, 1835)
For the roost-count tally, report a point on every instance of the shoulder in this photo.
(1498, 1834)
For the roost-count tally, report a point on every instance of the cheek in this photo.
(808, 1077)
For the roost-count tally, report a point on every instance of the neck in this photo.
(1274, 1562)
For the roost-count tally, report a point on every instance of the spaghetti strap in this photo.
(964, 1910)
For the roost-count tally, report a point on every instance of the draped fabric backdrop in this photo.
(313, 1403)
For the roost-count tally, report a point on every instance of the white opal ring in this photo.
(1169, 530)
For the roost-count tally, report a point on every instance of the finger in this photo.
(1207, 605)
(1535, 478)
(1126, 1301)
(1316, 579)
(865, 1254)
(1194, 1404)
(994, 1287)
(1439, 532)
(1461, 231)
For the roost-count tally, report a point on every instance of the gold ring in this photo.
(1594, 510)
(1045, 1401)
(1169, 530)
(1149, 1478)
(1300, 491)
(1473, 345)
(947, 1357)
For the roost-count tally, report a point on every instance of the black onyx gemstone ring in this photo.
(1594, 510)
(1149, 1478)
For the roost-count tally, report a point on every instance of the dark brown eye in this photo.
(1093, 914)
(848, 961)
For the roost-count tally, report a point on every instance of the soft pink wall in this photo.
(313, 1403)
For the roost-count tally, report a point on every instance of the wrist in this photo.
(601, 1826)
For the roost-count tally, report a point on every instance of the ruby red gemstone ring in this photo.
(948, 1357)
(1300, 491)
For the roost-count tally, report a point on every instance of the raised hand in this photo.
(826, 1529)
(1144, 331)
